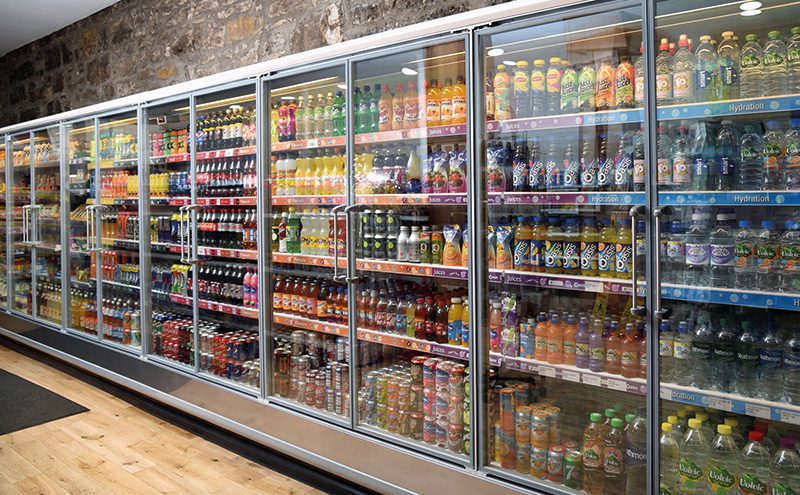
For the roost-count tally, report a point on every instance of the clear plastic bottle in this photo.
(723, 462)
(754, 466)
(706, 71)
(636, 453)
(728, 61)
(704, 167)
(785, 469)
(614, 482)
(724, 368)
(790, 258)
(793, 61)
(791, 370)
(682, 160)
(682, 372)
(692, 467)
(664, 74)
(683, 75)
(752, 71)
(768, 257)
(702, 351)
(771, 365)
(776, 71)
(747, 359)
(675, 269)
(666, 351)
(722, 249)
(664, 152)
(638, 78)
(698, 248)
(669, 459)
(735, 433)
(750, 173)
(745, 253)
(775, 153)
(727, 157)
(791, 169)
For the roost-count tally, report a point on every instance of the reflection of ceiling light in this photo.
(341, 86)
(495, 52)
(235, 107)
(749, 13)
(509, 63)
(750, 6)
(287, 97)
(408, 71)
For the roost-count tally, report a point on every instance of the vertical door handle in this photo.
(191, 212)
(335, 210)
(181, 232)
(658, 213)
(636, 310)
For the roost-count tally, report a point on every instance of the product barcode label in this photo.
(790, 417)
(593, 286)
(720, 403)
(572, 376)
(757, 411)
(617, 384)
(547, 371)
(591, 380)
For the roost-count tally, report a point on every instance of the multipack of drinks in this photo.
(173, 337)
(226, 177)
(312, 369)
(313, 298)
(48, 297)
(227, 228)
(233, 128)
(308, 173)
(228, 284)
(169, 142)
(306, 117)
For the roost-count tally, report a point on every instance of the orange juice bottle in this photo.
(465, 324)
(454, 322)
(523, 234)
(495, 326)
(629, 359)
(411, 107)
(538, 237)
(385, 109)
(422, 105)
(460, 101)
(613, 350)
(433, 102)
(447, 102)
(570, 330)
(555, 341)
(398, 108)
(540, 337)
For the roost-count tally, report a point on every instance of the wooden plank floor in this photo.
(116, 448)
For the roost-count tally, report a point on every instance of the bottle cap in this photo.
(745, 224)
(522, 63)
(595, 417)
(609, 412)
(705, 38)
(695, 423)
(682, 412)
(774, 35)
(701, 416)
(616, 423)
(727, 34)
(538, 63)
(673, 420)
(767, 224)
(788, 443)
(629, 418)
(666, 427)
(755, 436)
(501, 67)
(455, 300)
(751, 37)
(724, 429)
(555, 60)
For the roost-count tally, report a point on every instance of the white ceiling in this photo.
(23, 21)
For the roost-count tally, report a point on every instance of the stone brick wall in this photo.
(139, 45)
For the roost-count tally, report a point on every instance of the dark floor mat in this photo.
(24, 404)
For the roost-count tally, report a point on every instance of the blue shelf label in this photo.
(743, 198)
(734, 107)
(738, 298)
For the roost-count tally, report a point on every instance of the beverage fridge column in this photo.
(728, 146)
(309, 353)
(563, 180)
(3, 226)
(21, 274)
(409, 170)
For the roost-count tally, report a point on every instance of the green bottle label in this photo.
(781, 489)
(749, 484)
(721, 480)
(690, 473)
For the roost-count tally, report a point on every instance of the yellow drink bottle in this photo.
(624, 250)
(607, 251)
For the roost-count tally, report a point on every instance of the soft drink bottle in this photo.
(722, 249)
(728, 61)
(624, 250)
(588, 165)
(706, 71)
(776, 71)
(519, 178)
(604, 95)
(639, 164)
(607, 251)
(522, 245)
(752, 71)
(768, 256)
(682, 371)
(771, 364)
(754, 466)
(614, 482)
(698, 248)
(593, 446)
(605, 164)
(693, 466)
(502, 94)
(582, 344)
(538, 107)
(571, 168)
(723, 462)
(747, 359)
(554, 166)
(570, 333)
(623, 163)
(569, 88)
(683, 73)
(785, 469)
(555, 341)
(629, 362)
(589, 240)
(664, 64)
(668, 463)
(587, 89)
(624, 84)
(724, 368)
(613, 344)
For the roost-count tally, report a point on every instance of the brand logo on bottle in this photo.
(622, 174)
(722, 255)
(689, 470)
(588, 256)
(571, 173)
(520, 176)
(521, 253)
(571, 255)
(749, 484)
(721, 480)
(612, 461)
(536, 174)
(623, 258)
(592, 454)
(588, 172)
(536, 253)
(606, 254)
(553, 255)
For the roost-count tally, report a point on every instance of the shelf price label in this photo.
(757, 411)
(720, 403)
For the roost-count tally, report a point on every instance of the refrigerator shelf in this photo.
(414, 344)
(231, 201)
(559, 281)
(326, 142)
(736, 297)
(244, 151)
(304, 323)
(307, 200)
(412, 134)
(759, 408)
(156, 201)
(215, 306)
(413, 269)
(566, 121)
(242, 254)
(307, 259)
(747, 106)
(118, 284)
(176, 158)
(119, 164)
(572, 374)
(46, 164)
(412, 199)
(730, 198)
(628, 198)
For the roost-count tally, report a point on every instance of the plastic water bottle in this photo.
(745, 253)
(775, 154)
(682, 160)
(698, 248)
(791, 370)
(682, 371)
(706, 71)
(747, 359)
(729, 66)
(722, 249)
(735, 433)
(704, 166)
(725, 357)
(771, 365)
(693, 466)
(752, 71)
(727, 157)
(790, 258)
(664, 149)
(636, 453)
(668, 462)
(702, 351)
(768, 257)
(754, 462)
(785, 469)
(776, 73)
(664, 74)
(791, 169)
(683, 76)
(723, 462)
(676, 254)
(793, 60)
(750, 174)
(666, 351)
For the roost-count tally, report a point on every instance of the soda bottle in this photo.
(752, 71)
(553, 86)
(768, 257)
(587, 88)
(638, 79)
(692, 467)
(793, 61)
(540, 337)
(728, 62)
(570, 333)
(589, 238)
(723, 462)
(569, 88)
(727, 157)
(571, 247)
(664, 64)
(664, 154)
(554, 246)
(791, 170)
(683, 73)
(523, 234)
(538, 84)
(785, 469)
(702, 350)
(597, 347)
(770, 365)
(522, 90)
(614, 482)
(502, 94)
(459, 101)
(411, 107)
(747, 360)
(668, 462)
(443, 325)
(722, 249)
(495, 326)
(465, 335)
(698, 248)
(750, 175)
(519, 177)
(745, 254)
(754, 466)
(604, 96)
(593, 446)
(724, 351)
(682, 371)
(447, 102)
(624, 84)
(433, 102)
(776, 70)
(636, 453)
(607, 251)
(706, 71)
(571, 168)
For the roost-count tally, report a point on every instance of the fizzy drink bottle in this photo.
(623, 163)
(572, 167)
(776, 73)
(752, 70)
(593, 446)
(605, 164)
(723, 462)
(569, 88)
(587, 89)
(588, 165)
(553, 85)
(693, 466)
(754, 466)
(768, 256)
(554, 171)
(519, 177)
(785, 469)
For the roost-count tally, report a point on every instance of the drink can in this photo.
(455, 438)
(573, 469)
(403, 422)
(415, 399)
(443, 406)
(523, 458)
(443, 375)
(457, 373)
(554, 424)
(367, 225)
(507, 409)
(522, 394)
(429, 429)
(415, 425)
(538, 462)
(379, 247)
(540, 430)
(522, 425)
(429, 371)
(392, 419)
(392, 223)
(370, 410)
(379, 222)
(416, 369)
(370, 385)
(555, 463)
(337, 401)
(367, 242)
(392, 386)
(429, 401)
(456, 413)
(441, 432)
(380, 388)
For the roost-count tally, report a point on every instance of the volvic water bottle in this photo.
(693, 465)
(750, 173)
(771, 365)
(776, 74)
(767, 257)
(791, 369)
(668, 463)
(752, 71)
(723, 462)
(785, 469)
(790, 258)
(775, 154)
(754, 462)
(791, 169)
(745, 252)
(793, 61)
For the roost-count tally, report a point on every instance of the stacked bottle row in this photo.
(47, 183)
(122, 320)
(421, 311)
(312, 369)
(569, 245)
(752, 353)
(305, 117)
(173, 336)
(731, 254)
(227, 228)
(313, 298)
(227, 177)
(49, 301)
(83, 310)
(116, 145)
(310, 231)
(419, 397)
(120, 225)
(169, 142)
(233, 128)
(556, 164)
(308, 173)
(229, 354)
(117, 266)
(411, 170)
(726, 72)
(228, 284)
(122, 184)
(42, 152)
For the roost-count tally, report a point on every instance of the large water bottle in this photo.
(683, 76)
(674, 271)
(636, 453)
(682, 160)
(706, 71)
(698, 248)
(791, 169)
(664, 149)
(785, 469)
(793, 61)
(668, 463)
(775, 153)
(771, 365)
(724, 369)
(729, 66)
(704, 149)
(791, 369)
(723, 462)
(693, 465)
(754, 465)
(745, 252)
(664, 74)
(682, 371)
(702, 351)
(747, 359)
(776, 74)
(790, 258)
(752, 71)
(666, 351)
(768, 257)
(727, 157)
(723, 249)
(750, 173)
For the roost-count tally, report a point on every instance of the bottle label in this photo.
(666, 347)
(749, 484)
(521, 83)
(586, 89)
(767, 256)
(728, 75)
(793, 54)
(664, 171)
(770, 359)
(623, 170)
(581, 349)
(612, 356)
(690, 474)
(536, 174)
(454, 330)
(569, 91)
(613, 462)
(743, 253)
(791, 361)
(459, 107)
(588, 172)
(606, 256)
(681, 170)
(522, 253)
(722, 255)
(538, 81)
(588, 256)
(701, 350)
(773, 58)
(725, 166)
(540, 343)
(704, 79)
(790, 256)
(624, 85)
(597, 353)
(553, 81)
(520, 176)
(571, 173)
(624, 252)
(638, 90)
(592, 454)
(682, 350)
(536, 258)
(779, 488)
(569, 347)
(630, 358)
(605, 87)
(748, 358)
(723, 354)
(434, 110)
(605, 174)
(639, 171)
(571, 255)
(721, 480)
(682, 84)
(554, 345)
(774, 155)
(553, 254)
(697, 254)
(555, 175)
(663, 86)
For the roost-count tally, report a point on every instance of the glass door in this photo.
(81, 190)
(563, 177)
(3, 227)
(116, 218)
(21, 273)
(308, 317)
(410, 299)
(224, 236)
(167, 172)
(728, 174)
